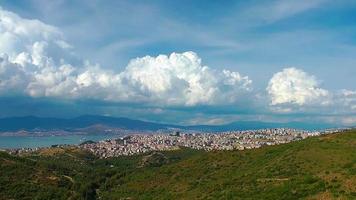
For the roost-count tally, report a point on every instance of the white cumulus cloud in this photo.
(294, 86)
(182, 79)
(35, 60)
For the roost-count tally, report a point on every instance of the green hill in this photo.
(316, 168)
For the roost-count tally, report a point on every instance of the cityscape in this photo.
(231, 140)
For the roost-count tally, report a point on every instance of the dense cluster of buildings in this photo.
(232, 140)
(239, 140)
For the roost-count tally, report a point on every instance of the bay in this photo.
(8, 142)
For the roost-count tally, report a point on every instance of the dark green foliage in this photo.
(319, 167)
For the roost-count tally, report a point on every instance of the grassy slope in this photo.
(315, 168)
(320, 167)
(55, 174)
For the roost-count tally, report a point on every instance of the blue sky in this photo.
(292, 58)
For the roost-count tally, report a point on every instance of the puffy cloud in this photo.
(12, 76)
(293, 90)
(32, 57)
(18, 35)
(181, 79)
(36, 61)
(294, 86)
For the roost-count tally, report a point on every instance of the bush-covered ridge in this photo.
(316, 168)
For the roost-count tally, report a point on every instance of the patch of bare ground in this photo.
(272, 179)
(69, 178)
(322, 196)
(51, 151)
(4, 161)
(350, 184)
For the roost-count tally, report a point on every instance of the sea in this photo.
(10, 142)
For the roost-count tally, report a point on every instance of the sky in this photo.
(182, 62)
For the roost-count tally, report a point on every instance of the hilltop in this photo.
(315, 168)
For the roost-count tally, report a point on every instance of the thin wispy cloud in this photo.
(273, 11)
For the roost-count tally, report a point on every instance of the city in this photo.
(231, 140)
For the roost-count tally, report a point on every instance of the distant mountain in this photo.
(31, 123)
(251, 125)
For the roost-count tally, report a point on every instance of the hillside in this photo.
(316, 168)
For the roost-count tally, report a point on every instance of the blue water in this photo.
(46, 141)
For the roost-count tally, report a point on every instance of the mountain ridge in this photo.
(50, 123)
(31, 123)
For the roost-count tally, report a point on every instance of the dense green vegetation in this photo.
(315, 168)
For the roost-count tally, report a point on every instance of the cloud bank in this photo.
(36, 61)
